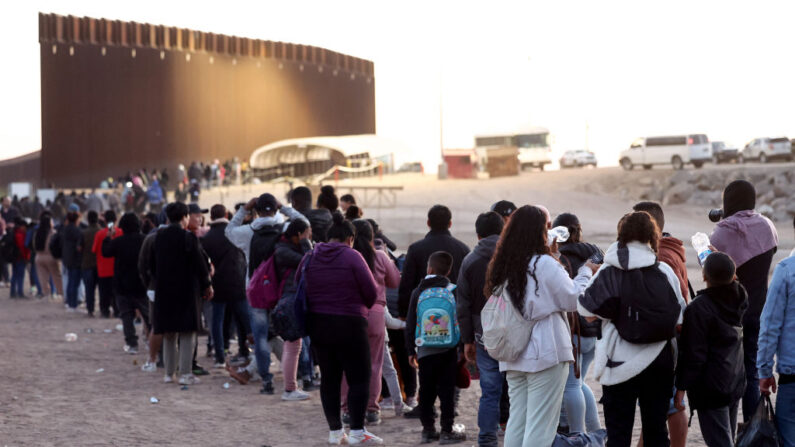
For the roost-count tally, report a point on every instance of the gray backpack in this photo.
(506, 332)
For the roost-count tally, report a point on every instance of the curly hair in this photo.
(525, 236)
(639, 226)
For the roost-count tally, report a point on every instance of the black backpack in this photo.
(56, 246)
(262, 246)
(8, 247)
(648, 309)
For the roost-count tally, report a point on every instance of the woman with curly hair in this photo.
(635, 356)
(526, 271)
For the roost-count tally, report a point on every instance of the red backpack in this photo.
(265, 287)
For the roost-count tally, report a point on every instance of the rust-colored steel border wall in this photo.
(119, 96)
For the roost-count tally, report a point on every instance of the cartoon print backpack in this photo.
(437, 322)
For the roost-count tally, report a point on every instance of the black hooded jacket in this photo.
(320, 221)
(574, 255)
(710, 366)
(471, 282)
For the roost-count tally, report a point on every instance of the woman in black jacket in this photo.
(130, 291)
(229, 281)
(294, 243)
(579, 404)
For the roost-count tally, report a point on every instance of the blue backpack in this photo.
(437, 323)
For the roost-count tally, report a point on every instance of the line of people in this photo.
(630, 312)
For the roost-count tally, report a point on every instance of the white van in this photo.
(676, 150)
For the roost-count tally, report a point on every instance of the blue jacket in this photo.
(777, 323)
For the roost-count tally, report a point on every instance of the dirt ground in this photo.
(90, 393)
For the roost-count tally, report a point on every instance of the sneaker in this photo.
(168, 379)
(149, 367)
(199, 371)
(402, 409)
(189, 379)
(219, 365)
(267, 388)
(337, 437)
(372, 418)
(132, 350)
(387, 405)
(429, 437)
(308, 385)
(411, 402)
(346, 419)
(295, 395)
(453, 437)
(364, 437)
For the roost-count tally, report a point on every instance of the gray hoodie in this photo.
(241, 235)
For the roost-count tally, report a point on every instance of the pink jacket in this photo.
(386, 275)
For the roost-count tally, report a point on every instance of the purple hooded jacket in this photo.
(744, 235)
(338, 281)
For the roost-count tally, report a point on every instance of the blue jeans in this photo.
(491, 391)
(262, 350)
(785, 414)
(306, 366)
(72, 286)
(34, 276)
(239, 307)
(90, 283)
(18, 278)
(579, 403)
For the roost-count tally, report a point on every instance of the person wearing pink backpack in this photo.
(291, 248)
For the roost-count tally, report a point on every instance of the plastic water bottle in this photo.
(560, 233)
(701, 243)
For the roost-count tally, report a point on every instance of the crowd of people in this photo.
(386, 333)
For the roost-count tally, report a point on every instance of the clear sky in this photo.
(624, 69)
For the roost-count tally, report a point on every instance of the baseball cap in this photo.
(73, 208)
(504, 208)
(266, 202)
(196, 209)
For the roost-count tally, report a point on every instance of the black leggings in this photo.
(340, 345)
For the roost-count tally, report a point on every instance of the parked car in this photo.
(676, 150)
(721, 153)
(764, 149)
(577, 159)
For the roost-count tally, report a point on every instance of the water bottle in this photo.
(560, 233)
(701, 243)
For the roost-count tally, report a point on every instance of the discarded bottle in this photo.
(701, 243)
(101, 370)
(154, 400)
(560, 233)
(71, 336)
(226, 385)
(119, 327)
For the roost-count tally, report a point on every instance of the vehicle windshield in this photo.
(718, 145)
(532, 140)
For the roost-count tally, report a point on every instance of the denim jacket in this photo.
(777, 323)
